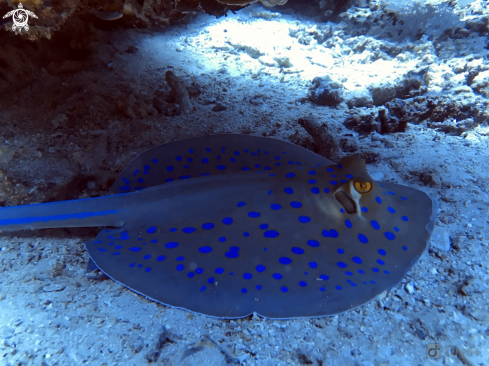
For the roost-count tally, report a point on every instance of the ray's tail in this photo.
(89, 212)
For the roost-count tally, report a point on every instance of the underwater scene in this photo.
(271, 182)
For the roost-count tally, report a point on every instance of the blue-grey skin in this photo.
(228, 225)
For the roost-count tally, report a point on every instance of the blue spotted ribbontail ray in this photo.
(228, 225)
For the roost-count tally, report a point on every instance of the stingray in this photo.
(230, 225)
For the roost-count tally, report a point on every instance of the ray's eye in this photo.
(363, 187)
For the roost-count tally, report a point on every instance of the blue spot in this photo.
(104, 250)
(264, 226)
(219, 270)
(241, 204)
(222, 239)
(330, 234)
(340, 251)
(389, 235)
(333, 182)
(267, 168)
(161, 258)
(246, 234)
(381, 252)
(140, 265)
(218, 157)
(375, 224)
(391, 193)
(348, 224)
(211, 280)
(313, 265)
(118, 247)
(338, 287)
(357, 260)
(404, 218)
(270, 234)
(169, 179)
(199, 271)
(396, 229)
(179, 259)
(312, 172)
(315, 190)
(404, 198)
(269, 192)
(361, 271)
(349, 176)
(324, 277)
(260, 268)
(265, 249)
(297, 250)
(188, 230)
(147, 256)
(386, 272)
(288, 190)
(391, 210)
(290, 175)
(313, 243)
(190, 160)
(236, 153)
(151, 230)
(100, 241)
(190, 274)
(275, 206)
(258, 287)
(277, 276)
(348, 273)
(277, 158)
(208, 226)
(135, 172)
(245, 169)
(342, 210)
(135, 249)
(253, 214)
(312, 181)
(184, 177)
(155, 161)
(295, 204)
(148, 269)
(304, 219)
(378, 199)
(180, 267)
(363, 239)
(205, 160)
(364, 209)
(202, 289)
(221, 167)
(170, 168)
(330, 169)
(232, 160)
(322, 289)
(285, 260)
(244, 291)
(381, 262)
(132, 264)
(291, 163)
(117, 253)
(326, 190)
(247, 276)
(284, 289)
(227, 221)
(205, 249)
(404, 247)
(339, 166)
(341, 265)
(232, 254)
(372, 282)
(171, 245)
(375, 269)
(140, 180)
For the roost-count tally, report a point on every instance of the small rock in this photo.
(219, 108)
(409, 288)
(60, 120)
(440, 239)
(53, 288)
(131, 49)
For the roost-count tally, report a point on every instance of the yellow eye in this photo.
(363, 187)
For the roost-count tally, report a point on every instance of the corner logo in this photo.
(20, 17)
